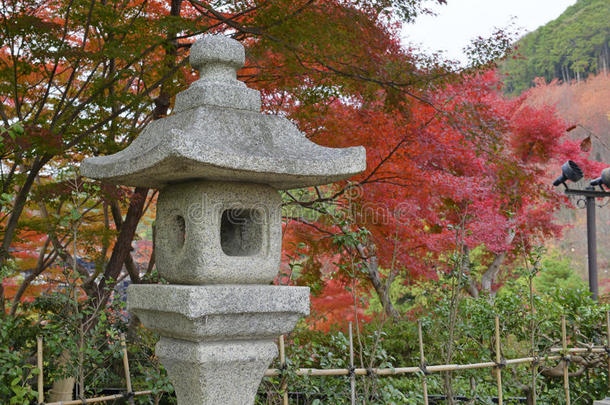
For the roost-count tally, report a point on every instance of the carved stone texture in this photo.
(217, 341)
(218, 312)
(210, 233)
(226, 373)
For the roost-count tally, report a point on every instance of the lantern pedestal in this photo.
(217, 340)
(212, 373)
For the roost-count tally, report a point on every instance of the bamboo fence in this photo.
(563, 355)
(422, 364)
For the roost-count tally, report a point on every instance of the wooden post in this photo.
(564, 344)
(284, 386)
(534, 374)
(422, 360)
(608, 340)
(352, 377)
(126, 367)
(40, 375)
(498, 362)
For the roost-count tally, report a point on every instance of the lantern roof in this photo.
(217, 132)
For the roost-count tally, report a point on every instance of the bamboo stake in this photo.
(352, 379)
(422, 360)
(98, 399)
(608, 340)
(126, 367)
(533, 365)
(284, 386)
(498, 361)
(534, 375)
(40, 375)
(564, 343)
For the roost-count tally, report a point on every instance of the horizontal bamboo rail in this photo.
(562, 354)
(274, 372)
(592, 349)
(98, 399)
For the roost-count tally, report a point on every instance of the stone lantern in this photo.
(218, 163)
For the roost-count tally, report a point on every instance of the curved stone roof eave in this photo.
(181, 147)
(165, 168)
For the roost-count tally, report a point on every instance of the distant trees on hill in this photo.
(585, 106)
(569, 48)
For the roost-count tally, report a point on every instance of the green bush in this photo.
(92, 349)
(557, 272)
(397, 345)
(17, 361)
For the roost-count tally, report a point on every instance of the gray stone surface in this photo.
(226, 373)
(216, 132)
(217, 340)
(602, 402)
(218, 162)
(212, 233)
(218, 312)
(212, 51)
(216, 58)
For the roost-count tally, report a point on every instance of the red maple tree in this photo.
(470, 169)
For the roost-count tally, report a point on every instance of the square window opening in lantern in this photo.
(241, 232)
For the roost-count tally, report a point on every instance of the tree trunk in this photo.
(491, 274)
(382, 289)
(13, 220)
(471, 284)
(122, 247)
(41, 265)
(163, 101)
(371, 261)
(121, 253)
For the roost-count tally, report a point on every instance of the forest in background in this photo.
(585, 105)
(565, 64)
(571, 47)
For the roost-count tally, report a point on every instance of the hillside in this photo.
(585, 105)
(569, 48)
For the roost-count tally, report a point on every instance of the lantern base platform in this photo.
(217, 340)
(227, 373)
(208, 313)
